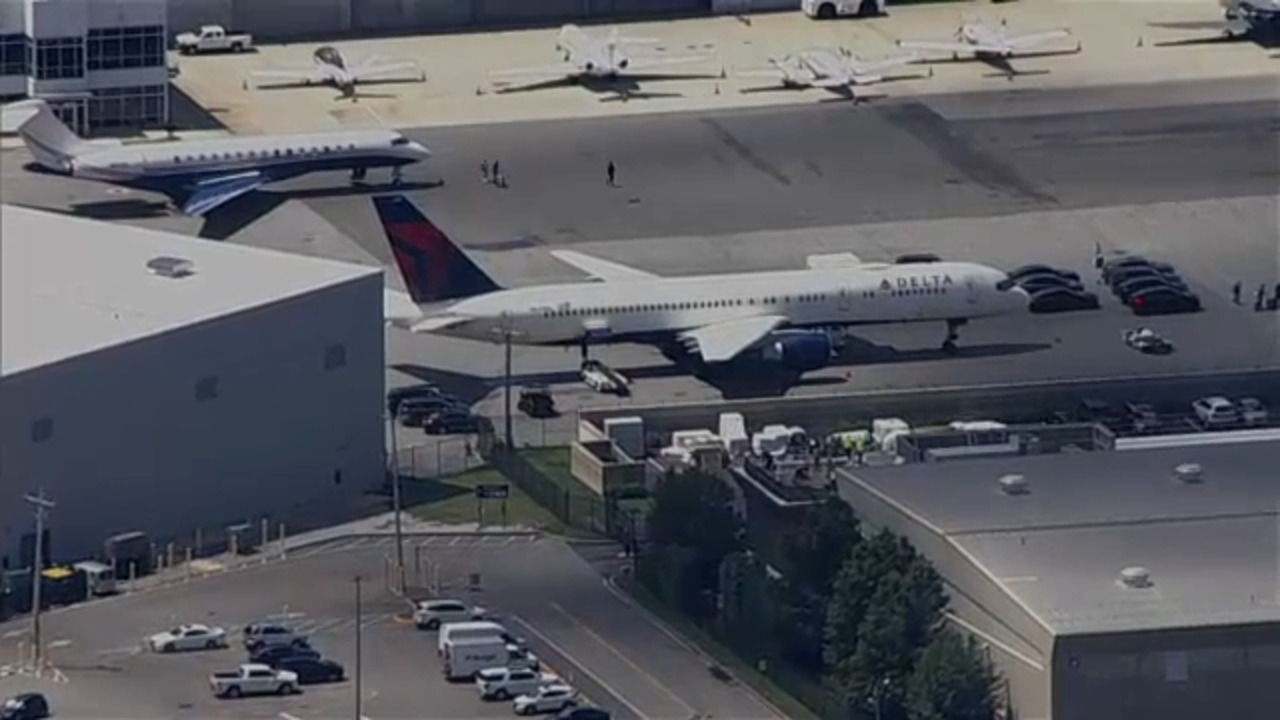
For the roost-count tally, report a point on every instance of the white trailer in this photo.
(831, 9)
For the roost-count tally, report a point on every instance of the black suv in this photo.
(27, 706)
(536, 401)
(313, 671)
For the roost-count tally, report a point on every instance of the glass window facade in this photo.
(13, 54)
(56, 58)
(127, 47)
(128, 107)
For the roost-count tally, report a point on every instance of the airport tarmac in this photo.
(543, 589)
(1121, 43)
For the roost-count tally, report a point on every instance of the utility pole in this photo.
(393, 419)
(42, 506)
(508, 433)
(359, 679)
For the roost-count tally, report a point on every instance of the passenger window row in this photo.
(263, 154)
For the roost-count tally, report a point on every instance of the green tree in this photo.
(952, 681)
(812, 555)
(692, 511)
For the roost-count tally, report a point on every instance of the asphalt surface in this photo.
(832, 164)
(546, 592)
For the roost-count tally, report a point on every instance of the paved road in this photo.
(829, 164)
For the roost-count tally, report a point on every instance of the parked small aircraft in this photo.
(330, 67)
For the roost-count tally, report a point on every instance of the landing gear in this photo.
(358, 174)
(953, 326)
(397, 175)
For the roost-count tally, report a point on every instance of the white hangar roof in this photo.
(70, 286)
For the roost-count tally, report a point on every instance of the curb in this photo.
(611, 585)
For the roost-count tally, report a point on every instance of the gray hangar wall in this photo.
(247, 416)
(286, 19)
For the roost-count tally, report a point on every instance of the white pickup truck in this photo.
(253, 679)
(213, 38)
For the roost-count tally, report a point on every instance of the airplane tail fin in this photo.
(51, 143)
(434, 268)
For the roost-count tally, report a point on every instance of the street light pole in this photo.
(506, 333)
(393, 418)
(42, 506)
(359, 678)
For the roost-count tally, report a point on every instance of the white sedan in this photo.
(188, 637)
(548, 699)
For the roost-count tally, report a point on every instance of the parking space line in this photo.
(287, 716)
(455, 540)
(589, 672)
(622, 656)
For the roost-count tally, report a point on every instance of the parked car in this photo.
(1252, 411)
(1136, 271)
(1036, 283)
(1142, 417)
(25, 706)
(1118, 264)
(1215, 411)
(453, 422)
(417, 411)
(1163, 301)
(251, 679)
(548, 699)
(188, 637)
(1030, 270)
(259, 635)
(1095, 410)
(313, 671)
(431, 614)
(273, 655)
(1135, 285)
(1063, 299)
(537, 401)
(1147, 341)
(396, 396)
(584, 713)
(504, 683)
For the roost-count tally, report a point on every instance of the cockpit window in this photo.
(400, 141)
(1006, 284)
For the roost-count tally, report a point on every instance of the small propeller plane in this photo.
(330, 67)
(836, 70)
(994, 46)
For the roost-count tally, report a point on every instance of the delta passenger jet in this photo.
(785, 316)
(200, 175)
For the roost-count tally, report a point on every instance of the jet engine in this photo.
(590, 67)
(800, 351)
(622, 64)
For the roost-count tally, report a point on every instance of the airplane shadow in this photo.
(620, 89)
(742, 379)
(1227, 34)
(244, 211)
(126, 209)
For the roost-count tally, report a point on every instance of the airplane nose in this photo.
(420, 150)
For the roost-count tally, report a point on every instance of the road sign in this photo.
(493, 491)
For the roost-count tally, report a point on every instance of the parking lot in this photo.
(542, 589)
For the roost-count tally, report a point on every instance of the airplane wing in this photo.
(544, 71)
(601, 269)
(398, 308)
(1030, 40)
(872, 68)
(945, 46)
(386, 68)
(214, 192)
(721, 342)
(641, 63)
(288, 76)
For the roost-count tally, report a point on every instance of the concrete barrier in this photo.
(1026, 401)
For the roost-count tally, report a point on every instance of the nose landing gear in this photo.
(953, 326)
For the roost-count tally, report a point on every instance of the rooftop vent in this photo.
(1135, 577)
(1014, 485)
(171, 267)
(1190, 473)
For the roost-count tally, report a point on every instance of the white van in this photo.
(469, 631)
(463, 658)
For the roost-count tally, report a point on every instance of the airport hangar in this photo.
(151, 382)
(1106, 585)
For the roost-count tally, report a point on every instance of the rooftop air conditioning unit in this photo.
(1014, 485)
(171, 267)
(1136, 577)
(1190, 473)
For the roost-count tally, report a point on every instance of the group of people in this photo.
(492, 173)
(1260, 300)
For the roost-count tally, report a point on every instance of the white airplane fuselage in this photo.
(278, 156)
(592, 57)
(812, 298)
(985, 38)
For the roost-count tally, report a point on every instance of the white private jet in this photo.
(994, 46)
(835, 69)
(200, 175)
(785, 316)
(330, 67)
(595, 63)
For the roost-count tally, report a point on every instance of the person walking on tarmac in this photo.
(1260, 299)
(611, 174)
(484, 171)
(1235, 293)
